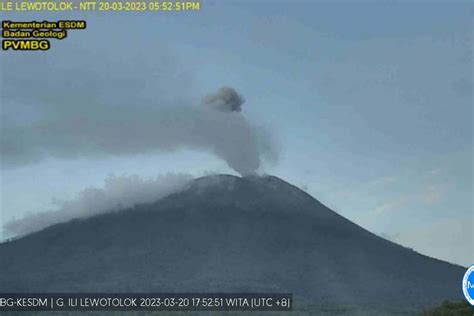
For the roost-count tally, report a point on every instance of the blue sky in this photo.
(369, 103)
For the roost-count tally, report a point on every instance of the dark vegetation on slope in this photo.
(228, 234)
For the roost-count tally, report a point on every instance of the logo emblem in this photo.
(468, 285)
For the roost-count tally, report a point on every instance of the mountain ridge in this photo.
(227, 234)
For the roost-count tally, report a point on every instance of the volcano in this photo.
(228, 234)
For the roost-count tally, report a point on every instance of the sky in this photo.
(366, 105)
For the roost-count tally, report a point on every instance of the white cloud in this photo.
(118, 192)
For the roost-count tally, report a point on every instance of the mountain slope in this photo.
(227, 234)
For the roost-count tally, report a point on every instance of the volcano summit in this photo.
(228, 234)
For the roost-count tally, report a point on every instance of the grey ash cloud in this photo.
(71, 106)
(226, 99)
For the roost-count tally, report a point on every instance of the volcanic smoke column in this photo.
(63, 129)
(235, 140)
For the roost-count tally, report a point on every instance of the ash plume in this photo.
(226, 99)
(78, 107)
